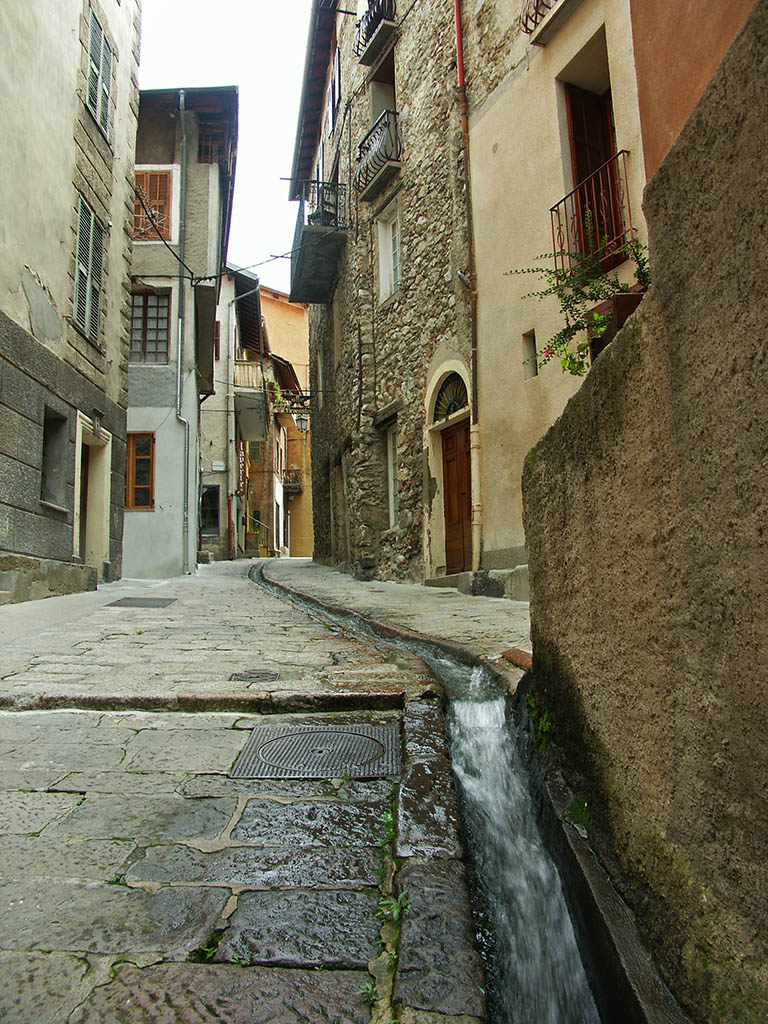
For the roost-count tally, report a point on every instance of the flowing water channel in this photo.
(533, 966)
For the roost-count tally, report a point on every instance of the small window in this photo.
(53, 485)
(256, 451)
(333, 94)
(149, 327)
(530, 356)
(140, 472)
(99, 75)
(388, 227)
(392, 474)
(152, 206)
(209, 510)
(88, 270)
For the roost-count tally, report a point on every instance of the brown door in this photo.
(458, 498)
(597, 210)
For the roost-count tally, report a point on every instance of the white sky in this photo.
(259, 46)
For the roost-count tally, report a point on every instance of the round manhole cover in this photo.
(318, 750)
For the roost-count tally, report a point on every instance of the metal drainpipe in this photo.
(474, 430)
(179, 374)
(228, 456)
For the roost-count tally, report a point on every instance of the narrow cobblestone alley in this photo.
(141, 883)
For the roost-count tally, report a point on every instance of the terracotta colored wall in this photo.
(678, 47)
(647, 529)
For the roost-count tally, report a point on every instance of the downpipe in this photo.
(180, 341)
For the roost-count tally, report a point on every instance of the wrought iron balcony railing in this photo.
(320, 235)
(596, 217)
(378, 155)
(534, 11)
(379, 11)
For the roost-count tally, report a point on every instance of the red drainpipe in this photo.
(229, 527)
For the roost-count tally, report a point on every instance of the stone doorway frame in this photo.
(98, 495)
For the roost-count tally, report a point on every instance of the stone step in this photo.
(509, 583)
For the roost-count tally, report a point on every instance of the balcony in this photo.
(542, 19)
(292, 481)
(250, 401)
(374, 31)
(378, 157)
(321, 231)
(594, 218)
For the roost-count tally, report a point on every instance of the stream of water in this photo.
(533, 967)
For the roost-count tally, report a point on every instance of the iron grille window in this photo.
(99, 74)
(89, 259)
(140, 471)
(149, 327)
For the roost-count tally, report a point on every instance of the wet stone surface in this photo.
(256, 868)
(427, 812)
(204, 994)
(27, 857)
(147, 818)
(27, 813)
(439, 968)
(333, 929)
(424, 730)
(376, 792)
(306, 823)
(32, 986)
(98, 918)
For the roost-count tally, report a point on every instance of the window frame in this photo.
(101, 58)
(89, 271)
(209, 489)
(130, 471)
(388, 227)
(145, 293)
(168, 228)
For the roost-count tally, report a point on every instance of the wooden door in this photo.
(458, 498)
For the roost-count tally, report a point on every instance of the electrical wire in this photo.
(138, 192)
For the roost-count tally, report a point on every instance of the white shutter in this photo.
(82, 263)
(94, 65)
(97, 259)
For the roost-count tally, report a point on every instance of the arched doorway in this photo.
(451, 401)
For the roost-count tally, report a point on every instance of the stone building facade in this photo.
(69, 102)
(395, 312)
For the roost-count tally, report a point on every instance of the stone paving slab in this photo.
(309, 823)
(146, 818)
(31, 779)
(428, 812)
(37, 988)
(27, 813)
(109, 919)
(439, 968)
(377, 792)
(213, 750)
(56, 754)
(424, 730)
(212, 994)
(255, 868)
(26, 857)
(127, 783)
(332, 929)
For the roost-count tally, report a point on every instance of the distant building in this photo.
(184, 173)
(255, 461)
(68, 100)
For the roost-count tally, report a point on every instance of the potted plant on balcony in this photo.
(594, 303)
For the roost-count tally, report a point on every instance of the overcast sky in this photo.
(259, 46)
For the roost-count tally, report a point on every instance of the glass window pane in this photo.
(144, 445)
(141, 497)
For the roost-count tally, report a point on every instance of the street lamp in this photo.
(302, 421)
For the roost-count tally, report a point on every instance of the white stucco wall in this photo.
(521, 166)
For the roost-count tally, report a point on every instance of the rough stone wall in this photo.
(377, 353)
(648, 554)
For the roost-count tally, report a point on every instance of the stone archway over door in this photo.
(457, 488)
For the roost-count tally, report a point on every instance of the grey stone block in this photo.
(309, 824)
(20, 392)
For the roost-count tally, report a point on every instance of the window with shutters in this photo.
(333, 94)
(150, 320)
(388, 231)
(99, 75)
(152, 214)
(140, 471)
(89, 259)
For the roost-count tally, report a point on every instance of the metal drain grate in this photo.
(142, 602)
(254, 676)
(307, 752)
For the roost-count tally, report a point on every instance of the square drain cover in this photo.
(142, 602)
(254, 675)
(310, 752)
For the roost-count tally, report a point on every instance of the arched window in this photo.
(451, 397)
